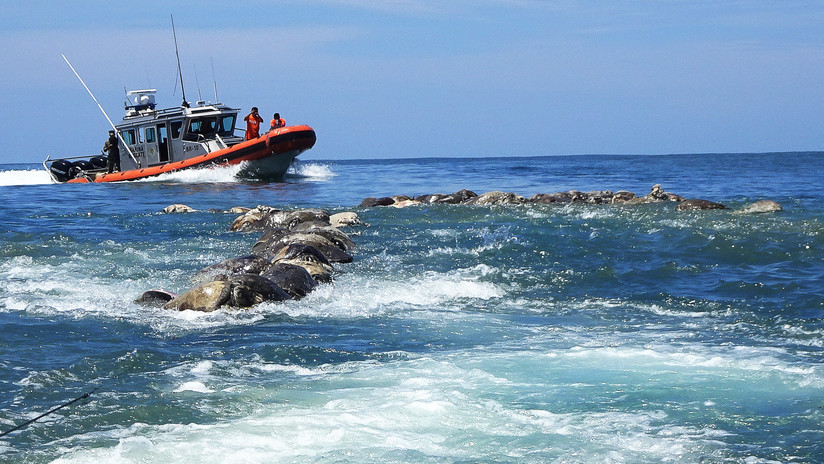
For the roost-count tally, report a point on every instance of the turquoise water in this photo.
(535, 333)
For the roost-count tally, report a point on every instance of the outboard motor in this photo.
(60, 169)
(79, 167)
(100, 162)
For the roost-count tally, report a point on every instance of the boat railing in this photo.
(158, 113)
(152, 112)
(70, 158)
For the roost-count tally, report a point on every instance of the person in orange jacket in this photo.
(277, 122)
(253, 121)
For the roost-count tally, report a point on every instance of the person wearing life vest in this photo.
(253, 121)
(277, 122)
(113, 162)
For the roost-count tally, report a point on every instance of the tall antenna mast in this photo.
(214, 82)
(179, 72)
(197, 83)
(102, 110)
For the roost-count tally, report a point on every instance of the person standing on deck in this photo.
(253, 121)
(111, 147)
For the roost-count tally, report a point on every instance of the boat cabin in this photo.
(149, 137)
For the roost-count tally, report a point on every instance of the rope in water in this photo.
(53, 410)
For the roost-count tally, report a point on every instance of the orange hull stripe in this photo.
(229, 155)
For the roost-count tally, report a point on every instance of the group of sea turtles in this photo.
(295, 253)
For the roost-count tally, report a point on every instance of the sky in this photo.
(427, 78)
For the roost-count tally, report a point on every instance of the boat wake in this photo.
(299, 171)
(24, 177)
(223, 174)
(310, 171)
(239, 173)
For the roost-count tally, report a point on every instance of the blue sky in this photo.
(421, 78)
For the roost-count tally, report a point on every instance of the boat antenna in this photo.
(214, 81)
(174, 90)
(179, 72)
(102, 110)
(197, 83)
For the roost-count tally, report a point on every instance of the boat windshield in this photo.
(201, 127)
(226, 128)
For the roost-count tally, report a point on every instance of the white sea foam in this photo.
(67, 288)
(194, 386)
(219, 174)
(24, 177)
(422, 409)
(492, 239)
(107, 282)
(202, 367)
(39, 379)
(310, 171)
(451, 233)
(803, 335)
(726, 363)
(363, 296)
(597, 213)
(234, 173)
(693, 310)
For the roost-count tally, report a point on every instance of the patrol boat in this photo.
(156, 141)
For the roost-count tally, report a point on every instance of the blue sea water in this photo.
(521, 334)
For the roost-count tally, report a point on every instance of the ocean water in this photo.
(460, 334)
